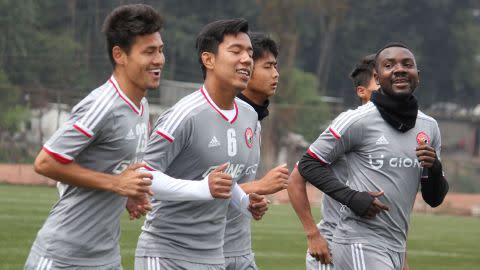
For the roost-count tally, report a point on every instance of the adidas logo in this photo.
(213, 142)
(130, 135)
(382, 140)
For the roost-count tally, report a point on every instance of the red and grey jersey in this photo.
(238, 231)
(106, 132)
(188, 141)
(379, 158)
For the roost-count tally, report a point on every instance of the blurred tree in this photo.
(12, 116)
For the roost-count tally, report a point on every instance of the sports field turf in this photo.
(435, 242)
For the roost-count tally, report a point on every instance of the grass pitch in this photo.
(435, 242)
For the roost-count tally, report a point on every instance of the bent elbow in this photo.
(41, 165)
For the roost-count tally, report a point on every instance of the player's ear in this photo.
(119, 55)
(375, 76)
(208, 60)
(361, 91)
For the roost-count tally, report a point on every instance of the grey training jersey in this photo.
(379, 158)
(238, 231)
(190, 140)
(106, 132)
(331, 209)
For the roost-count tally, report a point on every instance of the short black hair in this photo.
(126, 22)
(389, 45)
(363, 71)
(213, 33)
(261, 44)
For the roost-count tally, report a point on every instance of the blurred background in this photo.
(52, 53)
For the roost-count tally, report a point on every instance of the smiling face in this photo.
(143, 64)
(232, 65)
(397, 72)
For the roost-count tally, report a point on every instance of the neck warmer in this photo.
(400, 113)
(262, 110)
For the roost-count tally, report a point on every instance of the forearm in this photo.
(240, 200)
(435, 187)
(73, 174)
(323, 178)
(297, 192)
(167, 188)
(253, 187)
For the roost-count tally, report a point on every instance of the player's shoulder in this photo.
(187, 106)
(422, 116)
(185, 109)
(242, 105)
(353, 116)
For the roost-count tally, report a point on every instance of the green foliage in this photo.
(302, 105)
(12, 114)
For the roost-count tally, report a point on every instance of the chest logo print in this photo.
(249, 137)
(130, 135)
(422, 138)
(382, 140)
(213, 142)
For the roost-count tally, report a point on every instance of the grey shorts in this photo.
(159, 263)
(36, 262)
(366, 257)
(312, 264)
(245, 262)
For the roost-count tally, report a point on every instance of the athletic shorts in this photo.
(159, 263)
(312, 264)
(35, 262)
(366, 257)
(245, 262)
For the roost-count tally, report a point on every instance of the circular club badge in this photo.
(249, 137)
(422, 138)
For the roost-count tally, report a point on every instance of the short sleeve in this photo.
(169, 137)
(341, 136)
(87, 121)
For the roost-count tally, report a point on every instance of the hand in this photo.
(426, 155)
(275, 180)
(318, 248)
(138, 207)
(133, 183)
(376, 206)
(258, 205)
(220, 183)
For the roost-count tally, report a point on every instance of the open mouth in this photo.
(244, 72)
(155, 72)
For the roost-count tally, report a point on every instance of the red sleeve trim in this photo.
(149, 168)
(164, 135)
(335, 134)
(312, 154)
(57, 157)
(82, 131)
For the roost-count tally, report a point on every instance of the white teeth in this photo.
(155, 70)
(244, 72)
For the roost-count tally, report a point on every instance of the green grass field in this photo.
(435, 242)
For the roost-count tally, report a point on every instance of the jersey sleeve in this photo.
(437, 140)
(169, 137)
(87, 121)
(341, 136)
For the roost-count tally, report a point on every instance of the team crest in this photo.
(249, 137)
(422, 138)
